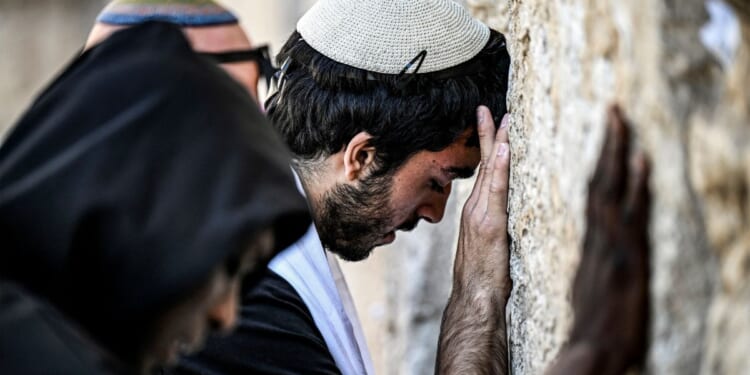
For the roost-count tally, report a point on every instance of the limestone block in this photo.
(570, 60)
(491, 12)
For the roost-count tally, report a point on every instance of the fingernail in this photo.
(503, 150)
(505, 122)
(480, 115)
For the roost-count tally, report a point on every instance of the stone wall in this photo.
(720, 172)
(570, 60)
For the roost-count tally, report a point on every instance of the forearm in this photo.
(473, 337)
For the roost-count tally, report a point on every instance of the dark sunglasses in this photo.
(260, 55)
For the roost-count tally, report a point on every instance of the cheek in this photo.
(407, 195)
(247, 74)
(196, 317)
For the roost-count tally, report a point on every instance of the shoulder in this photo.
(276, 334)
(31, 329)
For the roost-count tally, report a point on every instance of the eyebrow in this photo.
(459, 172)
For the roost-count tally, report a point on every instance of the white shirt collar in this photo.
(316, 276)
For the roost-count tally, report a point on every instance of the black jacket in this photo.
(276, 335)
(140, 169)
(35, 338)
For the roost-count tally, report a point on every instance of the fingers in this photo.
(637, 202)
(611, 171)
(486, 132)
(498, 189)
(493, 183)
(502, 132)
(611, 286)
(617, 154)
(637, 211)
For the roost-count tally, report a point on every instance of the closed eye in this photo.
(459, 172)
(435, 186)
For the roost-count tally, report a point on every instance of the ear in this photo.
(359, 155)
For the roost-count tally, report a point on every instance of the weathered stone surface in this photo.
(721, 174)
(570, 60)
(492, 12)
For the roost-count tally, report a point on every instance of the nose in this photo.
(223, 315)
(433, 209)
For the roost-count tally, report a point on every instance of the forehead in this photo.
(457, 156)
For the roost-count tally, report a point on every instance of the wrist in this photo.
(483, 298)
(495, 291)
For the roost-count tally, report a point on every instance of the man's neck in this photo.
(309, 185)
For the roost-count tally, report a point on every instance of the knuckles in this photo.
(498, 188)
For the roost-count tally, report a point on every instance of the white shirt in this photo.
(316, 276)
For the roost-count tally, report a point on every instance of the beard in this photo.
(353, 219)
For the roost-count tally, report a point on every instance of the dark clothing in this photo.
(141, 169)
(276, 334)
(36, 339)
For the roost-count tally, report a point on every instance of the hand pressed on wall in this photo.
(482, 256)
(610, 292)
(473, 336)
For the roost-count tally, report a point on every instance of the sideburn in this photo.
(352, 219)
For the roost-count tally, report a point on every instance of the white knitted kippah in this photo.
(383, 36)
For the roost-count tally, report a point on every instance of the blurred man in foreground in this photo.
(136, 194)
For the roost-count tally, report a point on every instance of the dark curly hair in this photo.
(322, 104)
